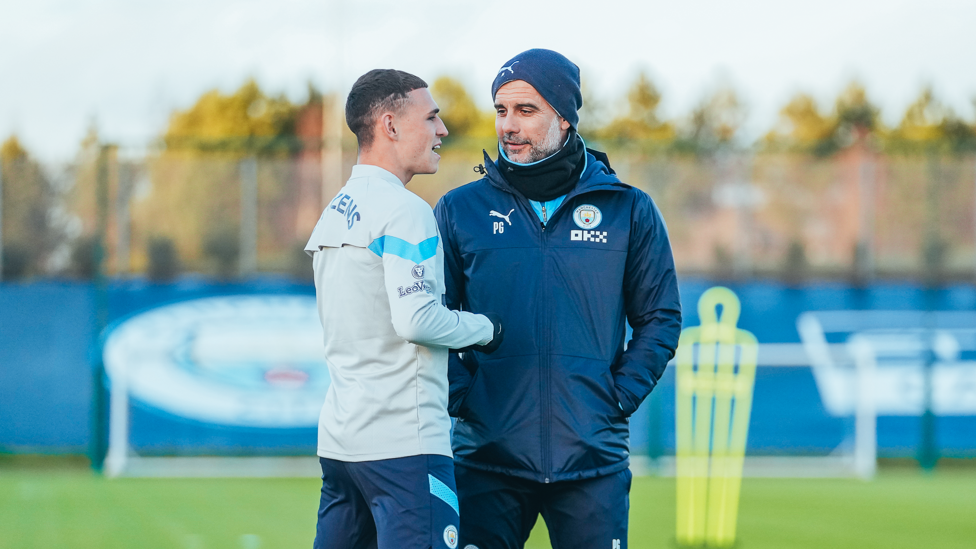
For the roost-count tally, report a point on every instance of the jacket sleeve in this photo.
(408, 245)
(459, 376)
(652, 305)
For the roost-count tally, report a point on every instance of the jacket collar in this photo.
(370, 171)
(596, 177)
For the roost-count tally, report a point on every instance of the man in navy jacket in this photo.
(566, 254)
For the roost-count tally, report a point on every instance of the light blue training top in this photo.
(550, 207)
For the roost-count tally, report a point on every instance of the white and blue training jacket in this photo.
(379, 284)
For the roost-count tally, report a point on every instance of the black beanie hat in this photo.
(556, 78)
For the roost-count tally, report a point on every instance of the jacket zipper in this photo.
(545, 377)
(546, 367)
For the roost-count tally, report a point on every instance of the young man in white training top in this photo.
(384, 432)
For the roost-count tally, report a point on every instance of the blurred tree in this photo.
(855, 110)
(641, 122)
(856, 119)
(924, 119)
(82, 204)
(715, 122)
(459, 112)
(801, 126)
(28, 198)
(315, 95)
(643, 99)
(248, 121)
(12, 149)
(592, 114)
(928, 122)
(81, 196)
(196, 180)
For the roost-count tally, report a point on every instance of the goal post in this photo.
(839, 386)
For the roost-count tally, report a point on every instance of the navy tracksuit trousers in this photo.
(401, 503)
(498, 511)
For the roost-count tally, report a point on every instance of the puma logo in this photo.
(493, 213)
(508, 68)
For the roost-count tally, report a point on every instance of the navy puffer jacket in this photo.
(553, 402)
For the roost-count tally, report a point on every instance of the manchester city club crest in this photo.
(587, 216)
(451, 536)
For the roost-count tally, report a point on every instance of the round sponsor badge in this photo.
(451, 536)
(417, 271)
(587, 216)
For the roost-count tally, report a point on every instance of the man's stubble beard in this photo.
(549, 145)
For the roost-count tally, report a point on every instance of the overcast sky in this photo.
(127, 64)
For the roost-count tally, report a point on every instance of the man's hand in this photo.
(498, 333)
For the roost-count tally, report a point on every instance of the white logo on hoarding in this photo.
(899, 358)
(238, 360)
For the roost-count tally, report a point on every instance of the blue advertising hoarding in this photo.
(247, 379)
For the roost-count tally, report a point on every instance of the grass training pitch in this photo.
(74, 509)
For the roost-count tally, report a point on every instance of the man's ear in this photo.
(387, 124)
(563, 124)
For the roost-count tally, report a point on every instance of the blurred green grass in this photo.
(74, 509)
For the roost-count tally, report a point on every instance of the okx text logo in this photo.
(588, 236)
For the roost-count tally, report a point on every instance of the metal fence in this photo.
(856, 214)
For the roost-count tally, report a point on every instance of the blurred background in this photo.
(162, 166)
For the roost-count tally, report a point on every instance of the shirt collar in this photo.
(368, 170)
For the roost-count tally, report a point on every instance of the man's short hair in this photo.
(377, 91)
